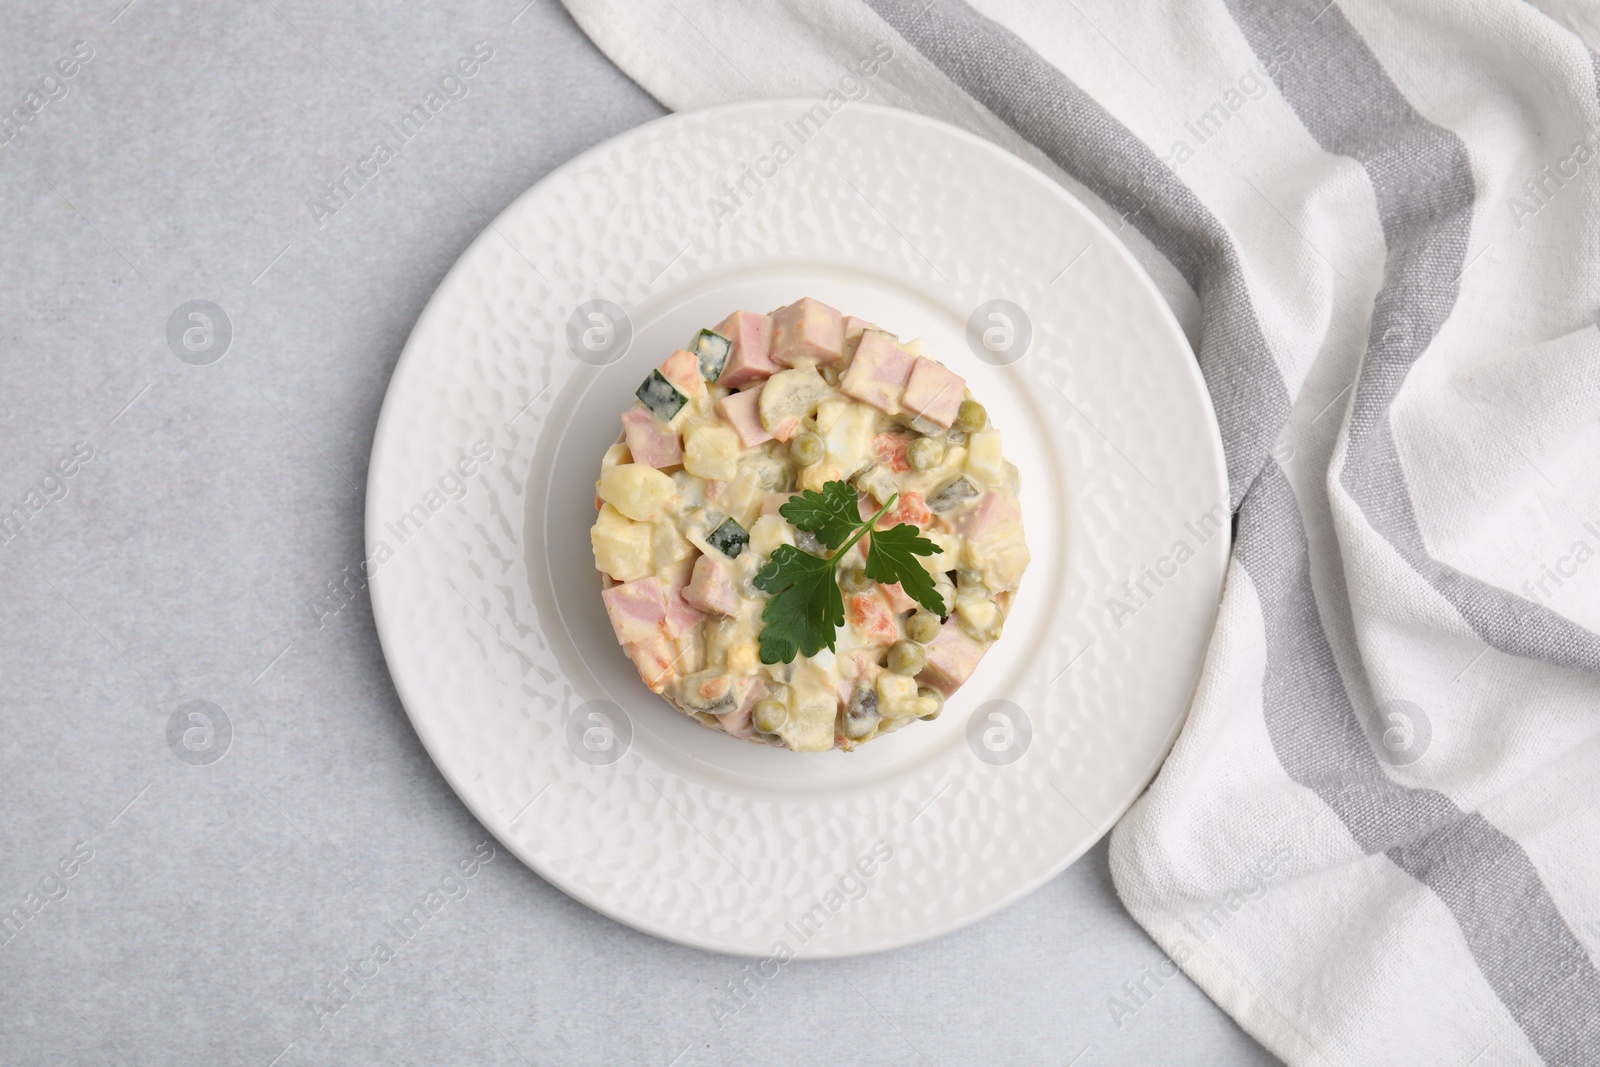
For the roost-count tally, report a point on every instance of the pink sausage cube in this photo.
(681, 615)
(749, 360)
(952, 657)
(878, 374)
(854, 326)
(656, 660)
(934, 392)
(712, 588)
(637, 609)
(807, 331)
(991, 510)
(650, 440)
(743, 412)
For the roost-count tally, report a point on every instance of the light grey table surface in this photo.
(185, 558)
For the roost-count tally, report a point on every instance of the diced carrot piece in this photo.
(889, 450)
(869, 615)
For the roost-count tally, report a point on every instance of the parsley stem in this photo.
(863, 528)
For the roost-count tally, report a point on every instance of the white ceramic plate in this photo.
(487, 600)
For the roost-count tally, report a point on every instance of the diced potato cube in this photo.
(816, 476)
(1000, 563)
(949, 551)
(667, 545)
(640, 492)
(847, 430)
(768, 533)
(980, 617)
(711, 452)
(742, 499)
(897, 694)
(984, 462)
(813, 707)
(743, 657)
(622, 547)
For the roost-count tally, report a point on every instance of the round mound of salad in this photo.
(808, 534)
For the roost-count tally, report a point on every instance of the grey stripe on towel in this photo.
(1422, 180)
(1527, 953)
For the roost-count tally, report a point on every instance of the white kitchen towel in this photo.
(1377, 840)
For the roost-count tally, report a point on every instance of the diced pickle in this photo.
(861, 714)
(952, 495)
(661, 396)
(711, 350)
(729, 538)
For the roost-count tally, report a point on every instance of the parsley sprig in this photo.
(806, 609)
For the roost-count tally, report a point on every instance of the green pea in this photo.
(769, 715)
(925, 453)
(922, 627)
(928, 697)
(806, 449)
(971, 417)
(855, 580)
(907, 657)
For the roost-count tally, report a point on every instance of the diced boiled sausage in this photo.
(637, 609)
(681, 616)
(743, 412)
(934, 392)
(656, 660)
(712, 588)
(990, 511)
(878, 374)
(952, 657)
(650, 440)
(807, 331)
(749, 360)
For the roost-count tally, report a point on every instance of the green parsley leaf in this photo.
(892, 557)
(832, 514)
(806, 609)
